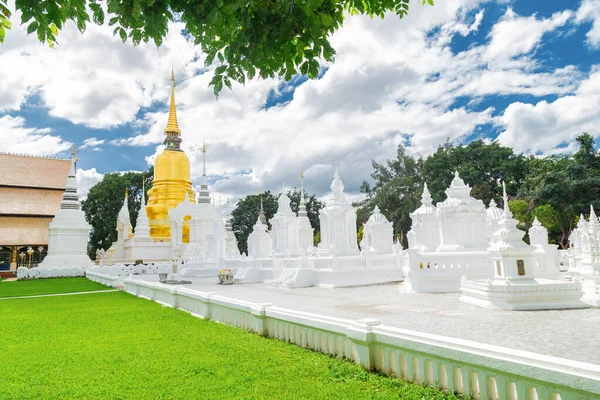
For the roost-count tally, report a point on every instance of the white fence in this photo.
(130, 269)
(41, 273)
(472, 369)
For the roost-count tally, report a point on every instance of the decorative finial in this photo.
(126, 192)
(172, 126)
(74, 155)
(507, 211)
(204, 147)
(301, 174)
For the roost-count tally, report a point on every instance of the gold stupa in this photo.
(171, 179)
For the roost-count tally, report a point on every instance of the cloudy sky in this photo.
(524, 72)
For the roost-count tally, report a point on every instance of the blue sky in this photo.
(524, 72)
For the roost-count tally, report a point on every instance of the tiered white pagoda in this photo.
(338, 223)
(545, 254)
(515, 285)
(284, 228)
(68, 231)
(377, 232)
(448, 241)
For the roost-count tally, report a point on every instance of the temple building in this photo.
(31, 190)
(172, 182)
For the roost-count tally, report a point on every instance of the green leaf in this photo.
(220, 69)
(32, 27)
(123, 34)
(113, 21)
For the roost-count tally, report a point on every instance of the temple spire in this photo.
(172, 125)
(261, 215)
(507, 211)
(204, 194)
(302, 208)
(173, 139)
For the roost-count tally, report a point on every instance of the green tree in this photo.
(397, 192)
(262, 37)
(481, 165)
(245, 214)
(105, 199)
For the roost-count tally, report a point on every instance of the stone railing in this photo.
(41, 273)
(130, 269)
(472, 369)
(108, 280)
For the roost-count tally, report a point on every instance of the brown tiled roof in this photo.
(31, 171)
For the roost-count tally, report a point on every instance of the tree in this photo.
(105, 199)
(397, 192)
(262, 37)
(246, 212)
(481, 165)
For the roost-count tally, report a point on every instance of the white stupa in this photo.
(284, 226)
(515, 284)
(68, 232)
(304, 228)
(338, 223)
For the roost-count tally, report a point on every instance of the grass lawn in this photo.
(117, 346)
(48, 286)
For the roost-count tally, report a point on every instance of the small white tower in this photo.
(378, 234)
(68, 231)
(142, 226)
(338, 223)
(304, 229)
(283, 227)
(260, 243)
(462, 219)
(424, 233)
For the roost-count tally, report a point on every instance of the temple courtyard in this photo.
(559, 333)
(113, 345)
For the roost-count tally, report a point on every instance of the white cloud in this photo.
(589, 11)
(544, 126)
(92, 143)
(16, 137)
(514, 35)
(86, 178)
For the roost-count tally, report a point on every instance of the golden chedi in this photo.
(171, 179)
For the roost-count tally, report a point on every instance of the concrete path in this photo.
(58, 294)
(570, 334)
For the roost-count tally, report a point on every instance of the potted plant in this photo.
(225, 277)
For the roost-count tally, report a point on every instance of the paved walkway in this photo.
(57, 294)
(571, 334)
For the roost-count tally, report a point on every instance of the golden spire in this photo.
(172, 126)
(301, 174)
(126, 192)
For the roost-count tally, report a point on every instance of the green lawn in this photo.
(117, 346)
(48, 286)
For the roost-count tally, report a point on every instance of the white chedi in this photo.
(283, 227)
(424, 232)
(546, 254)
(462, 219)
(68, 232)
(142, 225)
(493, 215)
(260, 244)
(338, 223)
(377, 234)
(515, 284)
(124, 228)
